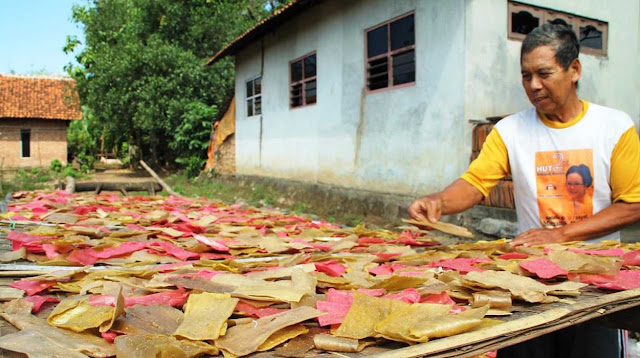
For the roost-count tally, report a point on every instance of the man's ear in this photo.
(576, 70)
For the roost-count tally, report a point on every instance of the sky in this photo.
(33, 33)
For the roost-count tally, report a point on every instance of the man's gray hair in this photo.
(560, 37)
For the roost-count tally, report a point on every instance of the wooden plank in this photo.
(509, 333)
(441, 226)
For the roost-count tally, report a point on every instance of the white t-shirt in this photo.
(561, 171)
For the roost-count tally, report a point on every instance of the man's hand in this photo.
(428, 207)
(539, 237)
(456, 198)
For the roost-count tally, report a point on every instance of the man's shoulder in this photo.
(518, 119)
(609, 116)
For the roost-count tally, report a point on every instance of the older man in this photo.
(537, 147)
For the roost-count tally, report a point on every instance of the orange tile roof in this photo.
(46, 97)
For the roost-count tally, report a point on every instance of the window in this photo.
(302, 77)
(592, 34)
(25, 141)
(391, 59)
(254, 97)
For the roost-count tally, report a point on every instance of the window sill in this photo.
(303, 106)
(379, 90)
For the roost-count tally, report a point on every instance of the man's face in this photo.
(547, 84)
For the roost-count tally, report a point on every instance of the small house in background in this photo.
(378, 94)
(35, 112)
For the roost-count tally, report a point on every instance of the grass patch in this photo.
(202, 187)
(300, 208)
(259, 195)
(33, 179)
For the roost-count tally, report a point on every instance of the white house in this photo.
(378, 94)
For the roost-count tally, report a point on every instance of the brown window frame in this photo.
(545, 15)
(389, 55)
(303, 82)
(252, 99)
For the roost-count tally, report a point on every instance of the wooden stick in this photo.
(156, 177)
(444, 227)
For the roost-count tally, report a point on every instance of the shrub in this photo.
(55, 166)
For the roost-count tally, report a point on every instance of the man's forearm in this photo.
(459, 196)
(607, 221)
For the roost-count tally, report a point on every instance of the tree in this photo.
(141, 72)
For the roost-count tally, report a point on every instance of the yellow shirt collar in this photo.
(559, 125)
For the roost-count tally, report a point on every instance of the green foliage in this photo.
(300, 208)
(192, 137)
(82, 138)
(31, 180)
(192, 165)
(261, 194)
(69, 171)
(55, 166)
(142, 79)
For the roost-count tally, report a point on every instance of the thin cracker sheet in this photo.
(155, 319)
(17, 313)
(365, 313)
(398, 325)
(76, 314)
(37, 345)
(138, 346)
(521, 287)
(449, 324)
(282, 336)
(205, 316)
(244, 339)
(340, 344)
(575, 262)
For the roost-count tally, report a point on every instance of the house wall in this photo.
(416, 139)
(405, 140)
(493, 82)
(48, 142)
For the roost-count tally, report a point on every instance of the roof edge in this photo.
(267, 24)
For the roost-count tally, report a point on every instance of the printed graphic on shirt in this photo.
(564, 182)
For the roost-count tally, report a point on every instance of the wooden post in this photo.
(156, 177)
(71, 185)
(1, 174)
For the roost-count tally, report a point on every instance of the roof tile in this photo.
(45, 97)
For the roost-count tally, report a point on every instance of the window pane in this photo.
(310, 66)
(249, 107)
(402, 33)
(590, 37)
(523, 22)
(258, 85)
(404, 68)
(296, 71)
(560, 22)
(296, 95)
(377, 41)
(249, 89)
(378, 74)
(310, 92)
(25, 139)
(257, 109)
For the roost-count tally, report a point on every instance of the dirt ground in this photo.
(120, 175)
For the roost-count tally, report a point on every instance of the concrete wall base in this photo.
(381, 209)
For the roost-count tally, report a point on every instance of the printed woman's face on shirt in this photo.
(575, 186)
